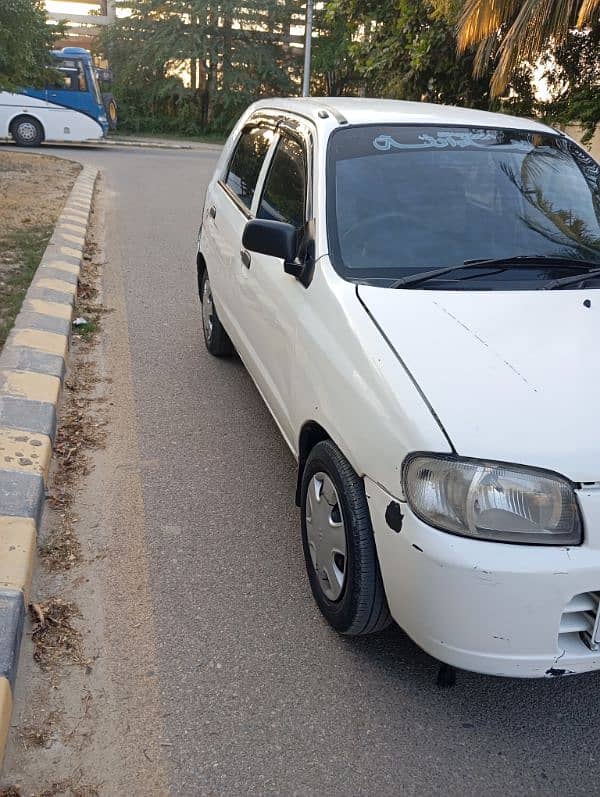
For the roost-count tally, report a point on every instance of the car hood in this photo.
(511, 375)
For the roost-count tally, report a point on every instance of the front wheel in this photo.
(216, 339)
(339, 549)
(27, 132)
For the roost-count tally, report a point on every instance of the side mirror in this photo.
(275, 238)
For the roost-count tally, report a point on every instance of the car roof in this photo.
(366, 110)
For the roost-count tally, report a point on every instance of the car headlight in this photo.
(491, 500)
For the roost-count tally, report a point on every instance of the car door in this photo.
(270, 299)
(227, 209)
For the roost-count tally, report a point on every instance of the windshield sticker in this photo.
(442, 140)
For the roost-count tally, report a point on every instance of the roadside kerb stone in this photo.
(153, 144)
(32, 371)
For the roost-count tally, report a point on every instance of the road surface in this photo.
(255, 693)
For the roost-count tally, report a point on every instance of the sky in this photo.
(64, 7)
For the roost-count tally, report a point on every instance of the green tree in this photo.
(512, 33)
(572, 72)
(333, 72)
(145, 50)
(233, 53)
(25, 43)
(406, 49)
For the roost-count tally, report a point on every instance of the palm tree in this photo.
(515, 31)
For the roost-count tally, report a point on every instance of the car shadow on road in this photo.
(556, 717)
(526, 730)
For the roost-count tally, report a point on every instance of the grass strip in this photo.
(25, 248)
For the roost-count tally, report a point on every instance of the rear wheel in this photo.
(216, 339)
(27, 132)
(339, 549)
(110, 106)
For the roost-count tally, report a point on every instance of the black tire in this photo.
(362, 606)
(216, 339)
(112, 114)
(110, 106)
(27, 131)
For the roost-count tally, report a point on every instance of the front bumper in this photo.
(489, 607)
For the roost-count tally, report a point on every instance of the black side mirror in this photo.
(275, 238)
(278, 239)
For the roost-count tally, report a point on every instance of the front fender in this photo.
(348, 380)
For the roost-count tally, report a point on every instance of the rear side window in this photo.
(285, 187)
(246, 162)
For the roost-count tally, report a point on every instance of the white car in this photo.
(413, 289)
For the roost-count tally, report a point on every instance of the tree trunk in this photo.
(212, 19)
(193, 77)
(212, 91)
(226, 65)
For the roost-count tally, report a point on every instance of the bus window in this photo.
(71, 76)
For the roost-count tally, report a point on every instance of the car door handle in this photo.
(246, 259)
(212, 211)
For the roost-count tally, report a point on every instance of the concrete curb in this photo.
(195, 145)
(32, 369)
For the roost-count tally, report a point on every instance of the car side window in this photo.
(246, 162)
(284, 195)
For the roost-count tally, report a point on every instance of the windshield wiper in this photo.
(545, 260)
(423, 276)
(518, 260)
(571, 280)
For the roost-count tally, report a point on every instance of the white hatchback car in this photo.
(413, 290)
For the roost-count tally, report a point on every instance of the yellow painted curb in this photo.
(61, 265)
(17, 550)
(70, 252)
(67, 225)
(56, 285)
(79, 240)
(48, 342)
(30, 385)
(69, 208)
(25, 452)
(75, 215)
(54, 309)
(5, 714)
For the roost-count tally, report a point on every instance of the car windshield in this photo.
(404, 199)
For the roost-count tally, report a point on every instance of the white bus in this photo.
(69, 110)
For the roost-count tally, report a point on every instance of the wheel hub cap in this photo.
(207, 310)
(27, 131)
(326, 535)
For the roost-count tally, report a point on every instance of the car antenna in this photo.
(339, 118)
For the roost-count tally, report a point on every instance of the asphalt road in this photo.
(258, 694)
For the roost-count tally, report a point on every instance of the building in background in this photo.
(84, 19)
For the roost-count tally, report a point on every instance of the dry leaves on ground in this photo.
(81, 427)
(54, 638)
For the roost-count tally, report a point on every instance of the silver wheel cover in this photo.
(208, 310)
(27, 131)
(326, 535)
